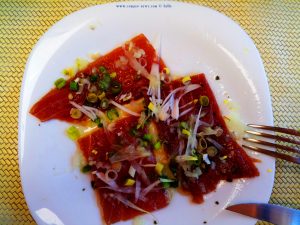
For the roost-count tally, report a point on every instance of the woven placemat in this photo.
(273, 25)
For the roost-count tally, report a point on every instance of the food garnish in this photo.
(150, 132)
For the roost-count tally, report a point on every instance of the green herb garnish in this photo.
(73, 133)
(86, 169)
(147, 137)
(60, 83)
(93, 78)
(74, 86)
(204, 100)
(112, 114)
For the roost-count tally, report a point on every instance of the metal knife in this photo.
(275, 214)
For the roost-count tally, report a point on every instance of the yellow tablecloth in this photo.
(273, 25)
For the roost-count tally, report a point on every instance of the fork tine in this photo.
(276, 137)
(274, 154)
(277, 129)
(287, 148)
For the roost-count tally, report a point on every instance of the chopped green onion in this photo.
(157, 145)
(98, 122)
(60, 83)
(147, 137)
(101, 96)
(193, 152)
(202, 144)
(113, 74)
(144, 143)
(104, 85)
(86, 169)
(102, 69)
(186, 132)
(204, 100)
(75, 113)
(116, 87)
(73, 133)
(129, 182)
(183, 125)
(93, 78)
(166, 182)
(92, 97)
(133, 132)
(104, 103)
(212, 151)
(74, 86)
(112, 114)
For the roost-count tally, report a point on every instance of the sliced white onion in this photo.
(150, 187)
(129, 153)
(111, 175)
(185, 112)
(102, 165)
(181, 147)
(125, 97)
(136, 65)
(142, 173)
(148, 165)
(138, 189)
(192, 140)
(215, 143)
(218, 131)
(124, 108)
(127, 190)
(213, 165)
(206, 159)
(187, 104)
(121, 62)
(195, 174)
(143, 62)
(81, 83)
(189, 88)
(138, 53)
(110, 183)
(197, 124)
(128, 203)
(131, 171)
(88, 113)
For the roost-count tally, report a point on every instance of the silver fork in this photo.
(274, 137)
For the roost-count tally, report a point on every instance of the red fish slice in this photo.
(55, 104)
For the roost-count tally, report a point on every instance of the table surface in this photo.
(273, 25)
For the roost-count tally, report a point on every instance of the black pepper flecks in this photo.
(229, 180)
(93, 184)
(83, 189)
(205, 222)
(217, 78)
(155, 222)
(217, 202)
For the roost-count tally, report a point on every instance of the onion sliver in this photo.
(85, 111)
(128, 203)
(150, 187)
(111, 175)
(124, 108)
(110, 183)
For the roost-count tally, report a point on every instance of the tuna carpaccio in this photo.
(153, 133)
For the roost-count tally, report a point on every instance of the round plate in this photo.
(193, 39)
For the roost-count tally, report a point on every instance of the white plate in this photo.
(194, 39)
